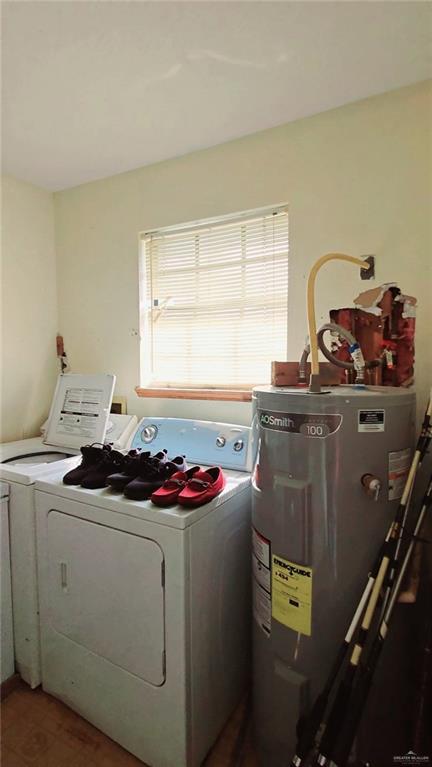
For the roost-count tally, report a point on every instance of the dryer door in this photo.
(107, 594)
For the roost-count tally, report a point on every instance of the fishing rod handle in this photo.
(426, 432)
(336, 717)
(314, 720)
(373, 599)
(306, 740)
(360, 607)
(310, 728)
(427, 501)
(338, 710)
(352, 720)
(420, 451)
(348, 731)
(395, 561)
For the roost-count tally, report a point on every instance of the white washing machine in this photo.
(79, 414)
(145, 611)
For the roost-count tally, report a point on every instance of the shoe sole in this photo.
(161, 501)
(120, 485)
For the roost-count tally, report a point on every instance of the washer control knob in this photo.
(220, 441)
(148, 434)
(238, 445)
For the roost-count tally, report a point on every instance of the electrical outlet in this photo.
(368, 274)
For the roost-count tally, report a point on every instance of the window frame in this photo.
(204, 391)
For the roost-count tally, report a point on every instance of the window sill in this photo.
(227, 395)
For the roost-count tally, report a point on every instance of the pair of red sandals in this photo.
(190, 488)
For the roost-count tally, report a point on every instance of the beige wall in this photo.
(357, 179)
(29, 308)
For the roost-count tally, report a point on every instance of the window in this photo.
(214, 301)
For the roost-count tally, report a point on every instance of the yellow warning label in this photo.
(292, 594)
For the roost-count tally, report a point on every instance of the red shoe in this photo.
(167, 494)
(203, 487)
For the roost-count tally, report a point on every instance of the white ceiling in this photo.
(91, 89)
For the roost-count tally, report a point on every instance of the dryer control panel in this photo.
(202, 442)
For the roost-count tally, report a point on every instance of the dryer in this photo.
(7, 667)
(79, 413)
(145, 611)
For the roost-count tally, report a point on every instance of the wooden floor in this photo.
(39, 731)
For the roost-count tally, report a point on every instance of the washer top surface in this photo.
(173, 516)
(79, 414)
(25, 470)
(206, 443)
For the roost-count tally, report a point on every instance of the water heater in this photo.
(329, 471)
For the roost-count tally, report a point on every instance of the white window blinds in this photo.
(215, 301)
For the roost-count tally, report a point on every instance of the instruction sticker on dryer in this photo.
(292, 594)
(81, 412)
(261, 552)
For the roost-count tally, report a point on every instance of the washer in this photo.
(24, 461)
(145, 611)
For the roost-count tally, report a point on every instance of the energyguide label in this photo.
(292, 594)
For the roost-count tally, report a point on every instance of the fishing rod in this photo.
(312, 724)
(344, 743)
(422, 447)
(342, 698)
(310, 727)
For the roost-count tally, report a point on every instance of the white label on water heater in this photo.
(398, 468)
(261, 573)
(261, 549)
(371, 420)
(262, 608)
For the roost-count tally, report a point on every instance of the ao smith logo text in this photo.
(319, 425)
(266, 419)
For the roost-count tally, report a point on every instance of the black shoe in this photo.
(131, 468)
(151, 478)
(110, 463)
(91, 456)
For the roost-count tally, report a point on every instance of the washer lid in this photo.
(80, 409)
(25, 470)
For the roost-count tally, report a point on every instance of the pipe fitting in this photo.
(371, 485)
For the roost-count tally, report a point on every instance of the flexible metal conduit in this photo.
(356, 353)
(345, 364)
(314, 384)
